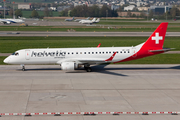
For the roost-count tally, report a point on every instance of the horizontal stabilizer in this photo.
(161, 50)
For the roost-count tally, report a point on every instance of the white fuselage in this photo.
(88, 21)
(58, 55)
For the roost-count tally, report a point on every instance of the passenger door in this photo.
(27, 54)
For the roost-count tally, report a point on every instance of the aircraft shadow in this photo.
(102, 69)
(40, 69)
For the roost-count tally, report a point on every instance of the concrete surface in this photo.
(126, 88)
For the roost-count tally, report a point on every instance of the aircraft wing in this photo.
(88, 60)
(83, 60)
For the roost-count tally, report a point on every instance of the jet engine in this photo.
(8, 22)
(68, 65)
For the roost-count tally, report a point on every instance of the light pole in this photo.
(4, 8)
(106, 14)
(13, 10)
(147, 14)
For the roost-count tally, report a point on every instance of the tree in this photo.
(104, 12)
(18, 13)
(173, 12)
(47, 12)
(129, 13)
(151, 14)
(142, 15)
(34, 14)
(133, 15)
(69, 13)
(92, 11)
(65, 13)
(11, 12)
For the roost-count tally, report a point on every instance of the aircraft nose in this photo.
(6, 60)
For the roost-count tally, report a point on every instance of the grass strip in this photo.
(134, 23)
(89, 29)
(11, 44)
(157, 59)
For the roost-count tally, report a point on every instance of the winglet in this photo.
(111, 58)
(99, 45)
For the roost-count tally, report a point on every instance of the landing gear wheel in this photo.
(23, 68)
(88, 69)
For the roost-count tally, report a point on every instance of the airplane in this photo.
(73, 58)
(88, 21)
(77, 20)
(9, 21)
(69, 19)
(98, 20)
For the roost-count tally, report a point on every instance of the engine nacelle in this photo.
(68, 65)
(8, 22)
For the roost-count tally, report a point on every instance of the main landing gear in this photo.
(87, 68)
(23, 67)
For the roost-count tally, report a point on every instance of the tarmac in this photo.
(112, 88)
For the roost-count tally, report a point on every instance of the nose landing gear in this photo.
(23, 67)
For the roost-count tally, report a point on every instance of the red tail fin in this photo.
(156, 40)
(153, 45)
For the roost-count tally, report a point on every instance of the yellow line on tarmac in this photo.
(62, 23)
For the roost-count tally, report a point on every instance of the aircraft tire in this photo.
(88, 69)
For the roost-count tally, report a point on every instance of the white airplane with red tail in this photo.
(73, 58)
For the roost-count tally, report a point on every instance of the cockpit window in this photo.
(16, 53)
(13, 54)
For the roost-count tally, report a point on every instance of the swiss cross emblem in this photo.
(157, 38)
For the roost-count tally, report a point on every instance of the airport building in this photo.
(160, 9)
(24, 6)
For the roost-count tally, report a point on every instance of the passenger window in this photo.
(106, 52)
(89, 52)
(103, 52)
(80, 52)
(84, 52)
(92, 52)
(76, 52)
(72, 53)
(96, 52)
(99, 52)
(117, 51)
(68, 53)
(109, 52)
